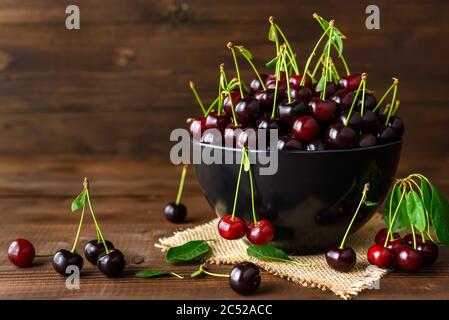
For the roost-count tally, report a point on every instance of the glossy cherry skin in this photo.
(247, 110)
(289, 111)
(323, 110)
(340, 136)
(429, 252)
(316, 145)
(340, 259)
(260, 233)
(408, 259)
(395, 245)
(282, 87)
(255, 84)
(244, 278)
(370, 102)
(64, 258)
(397, 125)
(367, 140)
(248, 136)
(227, 107)
(305, 128)
(380, 256)
(231, 134)
(111, 264)
(351, 81)
(215, 121)
(295, 80)
(197, 127)
(94, 248)
(270, 125)
(409, 239)
(289, 143)
(21, 253)
(265, 99)
(331, 89)
(355, 121)
(387, 134)
(272, 77)
(231, 228)
(370, 121)
(381, 236)
(300, 93)
(175, 213)
(343, 98)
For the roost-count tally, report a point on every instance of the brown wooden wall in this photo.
(118, 85)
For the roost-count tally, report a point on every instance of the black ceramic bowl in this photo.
(312, 196)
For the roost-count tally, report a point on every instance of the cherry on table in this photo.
(21, 253)
(289, 111)
(260, 233)
(380, 256)
(94, 248)
(381, 236)
(305, 128)
(289, 143)
(351, 81)
(343, 98)
(244, 278)
(322, 110)
(355, 121)
(408, 259)
(64, 258)
(429, 252)
(367, 140)
(340, 259)
(316, 145)
(255, 84)
(215, 121)
(340, 136)
(111, 264)
(247, 110)
(175, 213)
(231, 228)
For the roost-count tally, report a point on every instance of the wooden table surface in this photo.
(129, 194)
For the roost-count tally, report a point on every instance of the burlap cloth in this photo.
(317, 275)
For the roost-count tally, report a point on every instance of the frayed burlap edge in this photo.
(344, 285)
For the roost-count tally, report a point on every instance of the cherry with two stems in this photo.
(343, 258)
(176, 212)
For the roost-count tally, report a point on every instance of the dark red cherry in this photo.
(197, 127)
(265, 123)
(315, 145)
(255, 84)
(322, 110)
(231, 134)
(265, 99)
(111, 264)
(94, 248)
(247, 110)
(272, 77)
(408, 259)
(212, 136)
(382, 235)
(367, 140)
(340, 136)
(397, 124)
(289, 111)
(351, 81)
(355, 121)
(370, 121)
(370, 102)
(429, 252)
(231, 228)
(380, 256)
(21, 253)
(331, 89)
(340, 259)
(63, 259)
(248, 136)
(215, 121)
(227, 107)
(343, 98)
(175, 213)
(289, 143)
(260, 233)
(395, 245)
(305, 128)
(300, 93)
(295, 80)
(282, 87)
(244, 278)
(409, 239)
(387, 134)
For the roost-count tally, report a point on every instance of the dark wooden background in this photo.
(119, 85)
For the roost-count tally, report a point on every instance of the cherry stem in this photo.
(231, 47)
(220, 97)
(326, 64)
(317, 65)
(393, 99)
(198, 99)
(181, 184)
(255, 70)
(79, 230)
(212, 273)
(44, 255)
(251, 184)
(237, 187)
(278, 75)
(97, 226)
(414, 236)
(309, 60)
(289, 48)
(284, 62)
(395, 82)
(362, 200)
(396, 107)
(423, 237)
(276, 40)
(228, 92)
(390, 227)
(211, 107)
(363, 98)
(176, 275)
(355, 98)
(290, 58)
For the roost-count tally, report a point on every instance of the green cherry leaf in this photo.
(79, 201)
(190, 251)
(244, 52)
(402, 221)
(440, 215)
(339, 43)
(321, 83)
(272, 63)
(426, 195)
(272, 33)
(267, 253)
(415, 211)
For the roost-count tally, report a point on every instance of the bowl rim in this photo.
(329, 151)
